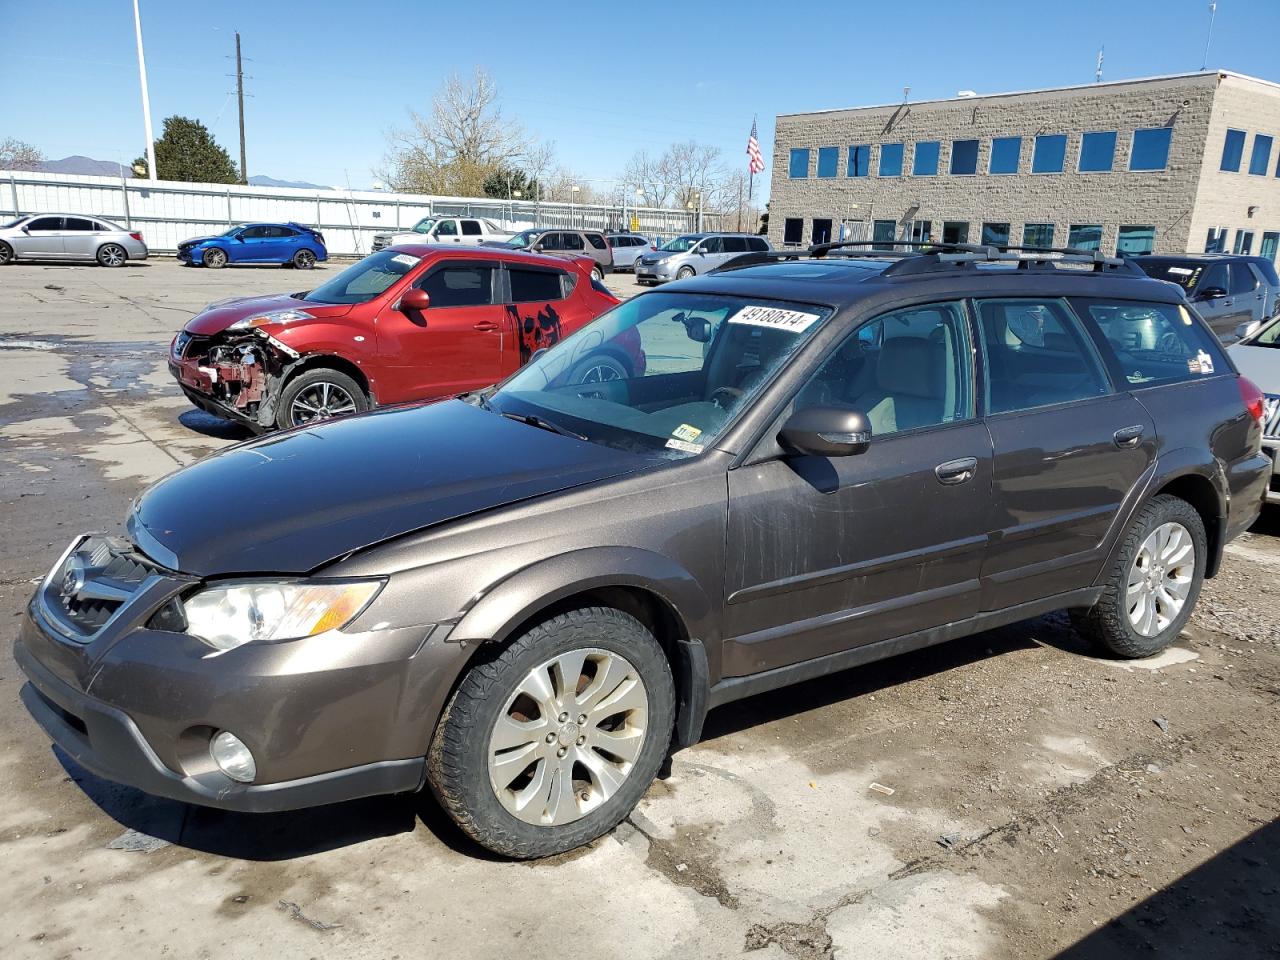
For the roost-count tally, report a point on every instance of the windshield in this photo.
(1182, 273)
(366, 279)
(1268, 336)
(424, 225)
(524, 238)
(664, 372)
(680, 244)
(231, 232)
(14, 223)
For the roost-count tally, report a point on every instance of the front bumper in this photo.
(659, 272)
(348, 716)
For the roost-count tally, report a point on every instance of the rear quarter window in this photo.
(534, 286)
(597, 241)
(1150, 344)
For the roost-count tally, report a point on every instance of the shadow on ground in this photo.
(210, 426)
(1226, 909)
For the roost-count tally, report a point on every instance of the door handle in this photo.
(1129, 436)
(1226, 303)
(485, 326)
(956, 471)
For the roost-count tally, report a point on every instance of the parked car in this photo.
(70, 236)
(562, 242)
(628, 248)
(1257, 356)
(1233, 293)
(695, 253)
(463, 230)
(527, 596)
(406, 323)
(290, 244)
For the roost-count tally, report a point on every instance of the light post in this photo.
(146, 98)
(573, 194)
(515, 195)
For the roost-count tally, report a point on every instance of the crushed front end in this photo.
(234, 374)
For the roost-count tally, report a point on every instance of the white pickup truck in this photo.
(467, 230)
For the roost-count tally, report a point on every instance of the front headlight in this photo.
(275, 316)
(228, 616)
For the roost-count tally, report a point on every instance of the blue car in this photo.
(290, 244)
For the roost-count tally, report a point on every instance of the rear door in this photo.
(456, 344)
(733, 247)
(1069, 450)
(599, 249)
(472, 232)
(40, 239)
(79, 238)
(1250, 292)
(535, 312)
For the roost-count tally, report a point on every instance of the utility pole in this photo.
(244, 173)
(1213, 12)
(146, 98)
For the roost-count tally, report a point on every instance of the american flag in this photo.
(756, 158)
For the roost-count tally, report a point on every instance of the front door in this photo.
(41, 238)
(1068, 450)
(447, 232)
(826, 554)
(453, 346)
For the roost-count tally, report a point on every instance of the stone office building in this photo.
(1178, 163)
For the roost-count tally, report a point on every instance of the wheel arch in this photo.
(315, 361)
(1200, 492)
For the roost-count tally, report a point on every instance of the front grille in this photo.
(380, 242)
(1271, 416)
(95, 580)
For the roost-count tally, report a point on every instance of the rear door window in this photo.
(460, 285)
(596, 241)
(735, 244)
(757, 243)
(471, 228)
(1036, 353)
(535, 286)
(79, 224)
(1152, 343)
(572, 241)
(1242, 279)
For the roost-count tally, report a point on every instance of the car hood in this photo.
(1259, 364)
(195, 240)
(220, 314)
(291, 502)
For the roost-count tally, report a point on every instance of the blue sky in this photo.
(329, 79)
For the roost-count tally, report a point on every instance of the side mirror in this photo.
(26, 228)
(240, 237)
(539, 246)
(826, 432)
(701, 252)
(1211, 293)
(414, 299)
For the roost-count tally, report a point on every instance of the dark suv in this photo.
(1234, 294)
(527, 596)
(562, 242)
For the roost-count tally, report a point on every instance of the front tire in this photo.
(1153, 583)
(549, 741)
(112, 255)
(214, 259)
(684, 273)
(319, 394)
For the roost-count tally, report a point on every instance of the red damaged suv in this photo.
(411, 322)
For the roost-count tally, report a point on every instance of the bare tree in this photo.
(649, 177)
(17, 155)
(460, 142)
(684, 174)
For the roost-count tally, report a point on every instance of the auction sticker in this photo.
(1201, 363)
(775, 318)
(404, 259)
(684, 446)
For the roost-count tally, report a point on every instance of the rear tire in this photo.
(214, 259)
(304, 260)
(6, 254)
(566, 785)
(597, 274)
(112, 255)
(321, 393)
(1153, 582)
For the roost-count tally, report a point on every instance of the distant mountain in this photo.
(273, 182)
(85, 167)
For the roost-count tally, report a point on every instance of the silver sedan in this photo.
(70, 236)
(1257, 356)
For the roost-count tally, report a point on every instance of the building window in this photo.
(881, 231)
(995, 234)
(828, 161)
(890, 159)
(1037, 235)
(1097, 152)
(1244, 242)
(1085, 236)
(926, 160)
(955, 231)
(1136, 240)
(1050, 154)
(1232, 151)
(964, 157)
(1150, 149)
(921, 231)
(1216, 241)
(821, 230)
(799, 168)
(859, 161)
(1006, 153)
(793, 230)
(1260, 159)
(1270, 241)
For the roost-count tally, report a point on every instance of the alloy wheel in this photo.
(1160, 579)
(112, 255)
(568, 737)
(320, 401)
(304, 259)
(600, 373)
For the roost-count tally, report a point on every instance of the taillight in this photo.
(137, 235)
(1252, 397)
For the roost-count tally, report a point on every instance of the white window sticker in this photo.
(405, 259)
(1201, 363)
(686, 432)
(684, 446)
(775, 318)
(1180, 271)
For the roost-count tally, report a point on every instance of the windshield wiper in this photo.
(542, 424)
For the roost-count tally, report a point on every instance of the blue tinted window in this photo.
(859, 161)
(1097, 152)
(828, 159)
(1037, 235)
(1232, 151)
(891, 160)
(1006, 153)
(926, 162)
(1261, 156)
(1151, 149)
(995, 234)
(1050, 155)
(799, 168)
(964, 157)
(1136, 240)
(1085, 236)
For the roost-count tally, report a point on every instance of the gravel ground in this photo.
(1007, 795)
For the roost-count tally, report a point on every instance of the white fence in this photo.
(169, 212)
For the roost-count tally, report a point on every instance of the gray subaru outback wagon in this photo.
(525, 598)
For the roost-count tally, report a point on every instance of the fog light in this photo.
(233, 757)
